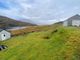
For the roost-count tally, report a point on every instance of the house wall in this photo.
(7, 35)
(65, 23)
(75, 22)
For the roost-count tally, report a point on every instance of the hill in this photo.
(6, 22)
(60, 44)
(31, 29)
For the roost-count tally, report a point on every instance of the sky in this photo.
(41, 12)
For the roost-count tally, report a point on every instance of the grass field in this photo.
(63, 44)
(30, 29)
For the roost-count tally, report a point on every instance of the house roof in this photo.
(75, 17)
(2, 30)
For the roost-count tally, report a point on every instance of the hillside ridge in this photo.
(6, 22)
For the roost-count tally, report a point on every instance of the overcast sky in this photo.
(39, 11)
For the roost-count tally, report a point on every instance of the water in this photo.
(17, 28)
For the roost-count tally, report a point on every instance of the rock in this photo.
(2, 47)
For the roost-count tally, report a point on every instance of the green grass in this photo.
(61, 45)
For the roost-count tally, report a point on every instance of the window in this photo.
(4, 35)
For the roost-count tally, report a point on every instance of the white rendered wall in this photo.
(7, 35)
(65, 23)
(76, 22)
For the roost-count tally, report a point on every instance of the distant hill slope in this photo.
(30, 29)
(6, 22)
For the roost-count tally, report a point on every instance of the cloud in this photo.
(39, 11)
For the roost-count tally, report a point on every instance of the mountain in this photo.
(6, 22)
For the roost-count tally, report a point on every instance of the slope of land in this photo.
(6, 22)
(30, 29)
(60, 44)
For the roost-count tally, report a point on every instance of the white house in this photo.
(72, 21)
(4, 35)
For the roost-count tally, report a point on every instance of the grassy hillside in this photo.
(30, 29)
(12, 23)
(60, 44)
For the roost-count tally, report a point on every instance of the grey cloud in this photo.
(40, 11)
